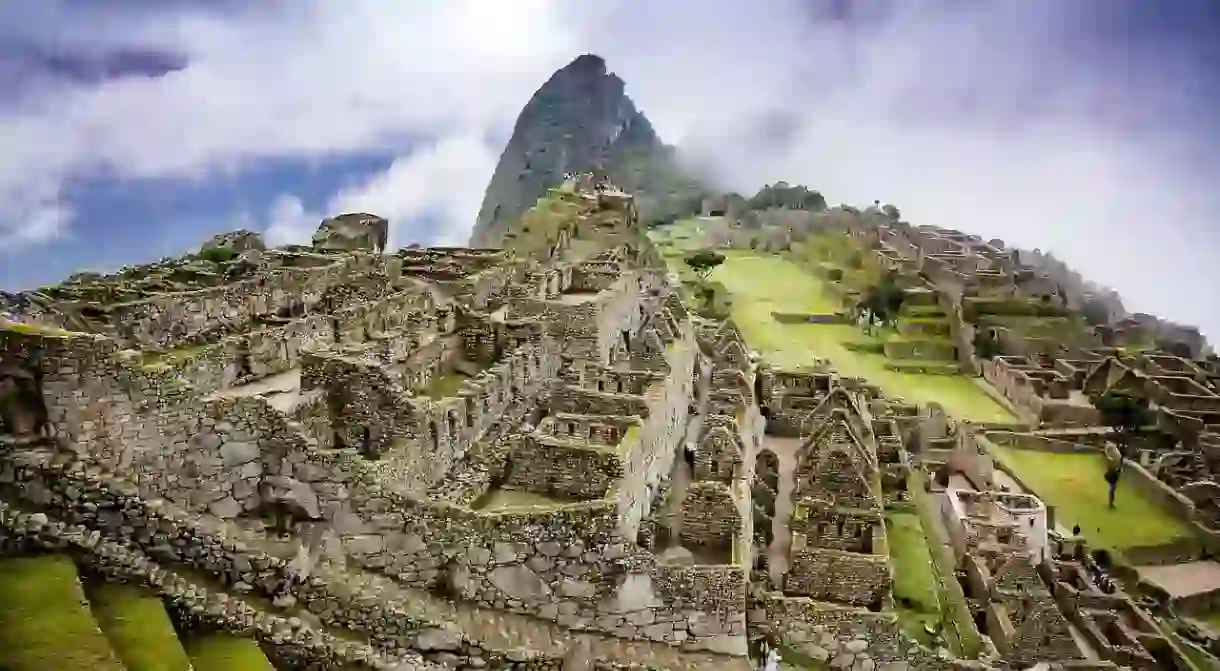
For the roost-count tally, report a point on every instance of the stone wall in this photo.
(657, 441)
(844, 637)
(834, 575)
(711, 517)
(559, 468)
(293, 642)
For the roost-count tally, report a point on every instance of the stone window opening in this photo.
(601, 384)
(451, 418)
(334, 331)
(434, 433)
(469, 414)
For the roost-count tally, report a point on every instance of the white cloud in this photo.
(991, 117)
(443, 183)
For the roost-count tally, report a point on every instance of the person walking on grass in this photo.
(1114, 470)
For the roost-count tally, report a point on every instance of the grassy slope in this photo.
(138, 627)
(220, 652)
(45, 622)
(1074, 483)
(761, 284)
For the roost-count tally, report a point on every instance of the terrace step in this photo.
(45, 622)
(140, 631)
(222, 652)
(127, 615)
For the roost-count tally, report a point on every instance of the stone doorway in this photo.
(23, 413)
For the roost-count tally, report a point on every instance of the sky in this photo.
(137, 129)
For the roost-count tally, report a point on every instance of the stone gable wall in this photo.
(842, 577)
(558, 468)
(711, 517)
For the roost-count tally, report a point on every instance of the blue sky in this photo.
(138, 129)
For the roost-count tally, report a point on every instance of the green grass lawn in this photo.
(915, 586)
(135, 621)
(761, 284)
(45, 622)
(1074, 483)
(221, 652)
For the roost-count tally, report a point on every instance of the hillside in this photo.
(581, 120)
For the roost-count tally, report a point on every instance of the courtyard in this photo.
(1074, 483)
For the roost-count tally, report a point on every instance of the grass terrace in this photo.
(761, 284)
(915, 588)
(139, 630)
(219, 652)
(1074, 483)
(45, 622)
(445, 386)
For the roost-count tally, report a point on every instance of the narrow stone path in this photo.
(781, 531)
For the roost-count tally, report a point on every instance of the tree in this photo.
(891, 212)
(704, 262)
(884, 301)
(987, 344)
(1095, 311)
(1128, 415)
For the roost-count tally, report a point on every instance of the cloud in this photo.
(1016, 121)
(296, 81)
(441, 185)
(1022, 121)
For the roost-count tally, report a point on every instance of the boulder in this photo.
(239, 241)
(349, 232)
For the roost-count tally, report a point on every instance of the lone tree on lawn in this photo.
(704, 262)
(883, 301)
(1127, 414)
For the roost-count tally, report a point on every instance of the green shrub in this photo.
(220, 254)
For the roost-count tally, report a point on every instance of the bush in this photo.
(220, 254)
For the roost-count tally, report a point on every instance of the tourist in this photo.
(772, 663)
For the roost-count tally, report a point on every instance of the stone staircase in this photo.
(51, 619)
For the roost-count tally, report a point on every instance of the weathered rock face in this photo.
(239, 241)
(348, 232)
(581, 120)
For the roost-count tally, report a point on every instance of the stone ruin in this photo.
(433, 456)
(531, 457)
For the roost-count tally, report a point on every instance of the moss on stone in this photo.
(221, 652)
(33, 329)
(139, 630)
(45, 623)
(445, 386)
(154, 359)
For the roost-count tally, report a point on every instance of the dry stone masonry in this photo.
(535, 457)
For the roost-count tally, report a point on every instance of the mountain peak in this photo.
(587, 63)
(580, 120)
